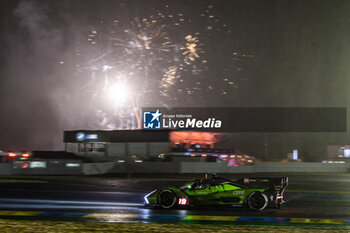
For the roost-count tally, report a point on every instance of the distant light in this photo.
(26, 155)
(339, 161)
(249, 160)
(347, 153)
(37, 164)
(138, 161)
(325, 161)
(91, 136)
(295, 154)
(204, 155)
(117, 93)
(12, 154)
(121, 161)
(193, 155)
(232, 156)
(106, 67)
(72, 164)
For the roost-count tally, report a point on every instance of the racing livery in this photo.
(256, 193)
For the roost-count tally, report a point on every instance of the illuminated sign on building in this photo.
(295, 154)
(157, 120)
(91, 136)
(81, 136)
(347, 153)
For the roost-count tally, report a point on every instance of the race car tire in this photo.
(167, 199)
(257, 201)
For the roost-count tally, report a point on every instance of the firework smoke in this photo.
(149, 55)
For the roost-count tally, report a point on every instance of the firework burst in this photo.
(192, 49)
(149, 56)
(169, 79)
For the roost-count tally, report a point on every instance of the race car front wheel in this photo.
(257, 201)
(167, 199)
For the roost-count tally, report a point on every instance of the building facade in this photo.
(149, 144)
(117, 143)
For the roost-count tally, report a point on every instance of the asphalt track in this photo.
(311, 198)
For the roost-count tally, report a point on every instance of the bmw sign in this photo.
(80, 136)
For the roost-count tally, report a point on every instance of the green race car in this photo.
(255, 193)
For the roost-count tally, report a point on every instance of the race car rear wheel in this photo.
(257, 201)
(167, 199)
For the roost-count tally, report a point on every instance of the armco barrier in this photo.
(46, 171)
(46, 167)
(241, 169)
(98, 168)
(194, 167)
(147, 167)
(178, 167)
(198, 167)
(207, 167)
(301, 167)
(5, 169)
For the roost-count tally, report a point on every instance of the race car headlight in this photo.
(146, 197)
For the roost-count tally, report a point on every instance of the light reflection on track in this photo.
(308, 196)
(13, 203)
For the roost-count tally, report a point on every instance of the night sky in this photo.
(60, 58)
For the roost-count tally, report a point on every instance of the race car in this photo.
(253, 192)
